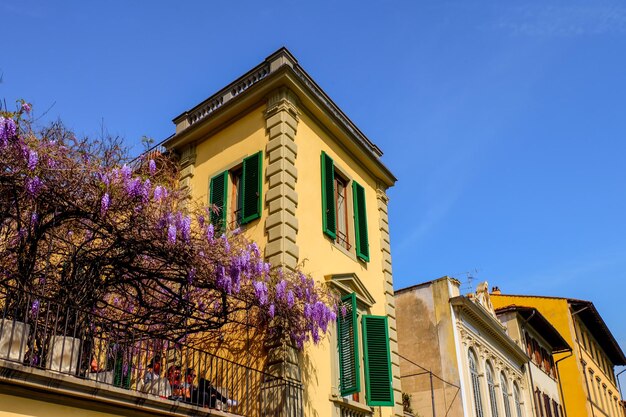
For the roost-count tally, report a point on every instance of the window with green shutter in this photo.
(360, 222)
(217, 199)
(348, 346)
(244, 204)
(329, 224)
(377, 360)
(252, 187)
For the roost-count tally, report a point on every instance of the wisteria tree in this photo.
(83, 225)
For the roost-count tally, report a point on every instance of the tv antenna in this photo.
(467, 285)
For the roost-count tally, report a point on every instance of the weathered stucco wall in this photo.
(426, 338)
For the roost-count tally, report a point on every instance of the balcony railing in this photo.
(114, 355)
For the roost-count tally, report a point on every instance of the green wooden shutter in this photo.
(360, 222)
(252, 187)
(329, 225)
(217, 198)
(348, 346)
(378, 378)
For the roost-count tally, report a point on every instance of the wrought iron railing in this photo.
(39, 333)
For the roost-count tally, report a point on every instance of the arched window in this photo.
(518, 401)
(478, 403)
(493, 401)
(505, 395)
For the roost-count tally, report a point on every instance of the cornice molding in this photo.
(490, 326)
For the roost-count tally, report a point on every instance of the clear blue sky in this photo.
(505, 121)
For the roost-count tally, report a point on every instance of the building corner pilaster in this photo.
(390, 304)
(187, 164)
(281, 225)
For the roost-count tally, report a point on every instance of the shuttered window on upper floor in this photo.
(360, 222)
(329, 222)
(217, 200)
(334, 190)
(252, 187)
(246, 206)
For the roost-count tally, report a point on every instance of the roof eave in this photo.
(616, 353)
(279, 69)
(538, 321)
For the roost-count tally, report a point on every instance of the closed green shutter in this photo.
(252, 187)
(217, 199)
(328, 196)
(348, 346)
(360, 222)
(378, 378)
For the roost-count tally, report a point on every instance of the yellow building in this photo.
(289, 168)
(586, 376)
(283, 162)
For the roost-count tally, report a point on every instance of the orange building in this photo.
(586, 375)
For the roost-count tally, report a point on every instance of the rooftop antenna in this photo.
(467, 285)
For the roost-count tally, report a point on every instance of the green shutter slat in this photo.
(360, 222)
(329, 225)
(348, 346)
(252, 187)
(377, 359)
(217, 198)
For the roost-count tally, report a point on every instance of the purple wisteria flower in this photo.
(126, 172)
(105, 177)
(315, 334)
(34, 308)
(133, 187)
(290, 299)
(271, 310)
(33, 186)
(7, 130)
(260, 291)
(158, 193)
(145, 191)
(280, 289)
(33, 158)
(171, 234)
(34, 218)
(152, 167)
(104, 204)
(210, 232)
(223, 281)
(254, 248)
(185, 228)
(226, 243)
(26, 107)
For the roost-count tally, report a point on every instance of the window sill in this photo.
(344, 403)
(343, 250)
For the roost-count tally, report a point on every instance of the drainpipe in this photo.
(620, 387)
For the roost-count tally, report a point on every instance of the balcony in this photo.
(111, 365)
